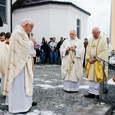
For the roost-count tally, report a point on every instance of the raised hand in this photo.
(68, 49)
(73, 48)
(33, 40)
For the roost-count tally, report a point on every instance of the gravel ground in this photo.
(52, 100)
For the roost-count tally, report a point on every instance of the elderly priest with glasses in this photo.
(19, 75)
(94, 68)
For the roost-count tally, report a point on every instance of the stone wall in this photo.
(108, 97)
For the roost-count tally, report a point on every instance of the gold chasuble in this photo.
(71, 69)
(3, 58)
(19, 58)
(96, 47)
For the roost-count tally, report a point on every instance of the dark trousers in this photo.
(42, 56)
(53, 57)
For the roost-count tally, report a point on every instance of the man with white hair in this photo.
(94, 69)
(72, 54)
(19, 76)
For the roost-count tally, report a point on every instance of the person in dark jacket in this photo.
(46, 51)
(43, 51)
(53, 51)
(85, 46)
(58, 48)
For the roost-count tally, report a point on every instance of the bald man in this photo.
(19, 75)
(94, 71)
(72, 54)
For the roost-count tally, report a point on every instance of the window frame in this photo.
(78, 28)
(5, 8)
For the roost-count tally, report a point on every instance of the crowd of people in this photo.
(49, 51)
(17, 67)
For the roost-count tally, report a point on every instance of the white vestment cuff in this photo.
(32, 51)
(77, 53)
(63, 53)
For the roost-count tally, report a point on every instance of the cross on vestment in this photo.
(93, 46)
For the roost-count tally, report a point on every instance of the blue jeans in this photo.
(42, 56)
(53, 55)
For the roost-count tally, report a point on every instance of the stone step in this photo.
(103, 109)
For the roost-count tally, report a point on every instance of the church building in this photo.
(52, 18)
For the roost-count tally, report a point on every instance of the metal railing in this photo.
(105, 63)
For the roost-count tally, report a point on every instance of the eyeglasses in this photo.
(95, 33)
(30, 26)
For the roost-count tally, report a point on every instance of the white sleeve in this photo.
(80, 51)
(63, 53)
(110, 48)
(77, 53)
(32, 50)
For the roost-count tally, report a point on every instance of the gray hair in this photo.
(26, 21)
(73, 31)
(99, 30)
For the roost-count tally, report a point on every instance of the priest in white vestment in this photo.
(3, 58)
(72, 53)
(2, 41)
(94, 68)
(18, 85)
(32, 52)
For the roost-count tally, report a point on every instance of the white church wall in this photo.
(6, 26)
(62, 23)
(59, 21)
(52, 20)
(41, 18)
(73, 16)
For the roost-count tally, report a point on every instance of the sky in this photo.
(100, 15)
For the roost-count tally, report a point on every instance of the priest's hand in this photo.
(73, 48)
(68, 49)
(92, 61)
(33, 40)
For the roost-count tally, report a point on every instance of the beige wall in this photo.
(113, 25)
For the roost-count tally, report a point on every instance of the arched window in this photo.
(3, 10)
(79, 28)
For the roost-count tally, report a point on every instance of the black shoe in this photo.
(4, 97)
(89, 95)
(74, 91)
(22, 112)
(97, 96)
(34, 103)
(71, 91)
(67, 91)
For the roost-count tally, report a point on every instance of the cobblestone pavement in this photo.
(52, 100)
